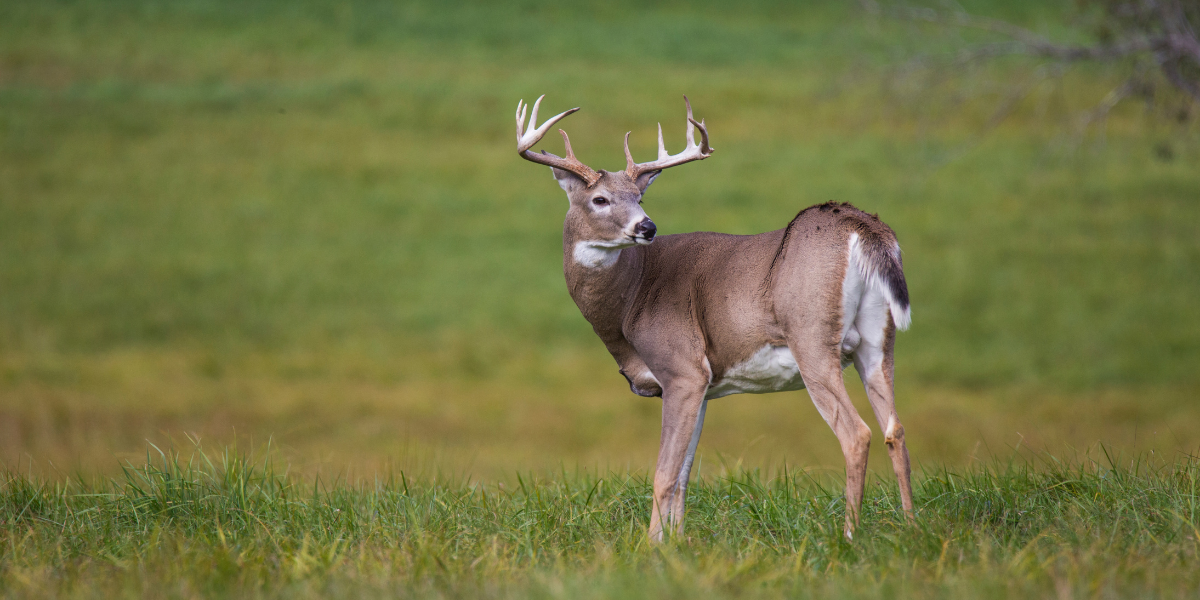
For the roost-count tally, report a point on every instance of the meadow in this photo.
(300, 230)
(232, 526)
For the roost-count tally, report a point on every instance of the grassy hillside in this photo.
(307, 222)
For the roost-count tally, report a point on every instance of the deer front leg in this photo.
(682, 421)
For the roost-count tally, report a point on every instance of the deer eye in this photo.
(600, 201)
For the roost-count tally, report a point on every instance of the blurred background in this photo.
(305, 225)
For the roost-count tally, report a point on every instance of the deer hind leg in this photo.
(682, 421)
(873, 361)
(823, 379)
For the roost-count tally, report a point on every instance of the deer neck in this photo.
(602, 281)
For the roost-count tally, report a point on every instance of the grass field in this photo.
(305, 224)
(1033, 527)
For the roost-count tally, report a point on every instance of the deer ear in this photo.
(567, 180)
(645, 179)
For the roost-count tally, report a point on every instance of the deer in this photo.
(691, 317)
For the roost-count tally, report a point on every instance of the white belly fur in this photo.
(769, 369)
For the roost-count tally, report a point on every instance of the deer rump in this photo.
(835, 280)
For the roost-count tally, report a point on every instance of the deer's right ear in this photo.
(567, 180)
(645, 179)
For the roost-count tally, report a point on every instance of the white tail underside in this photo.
(864, 289)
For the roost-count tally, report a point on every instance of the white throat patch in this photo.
(596, 254)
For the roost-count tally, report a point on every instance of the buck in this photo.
(697, 316)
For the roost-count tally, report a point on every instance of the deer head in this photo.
(605, 213)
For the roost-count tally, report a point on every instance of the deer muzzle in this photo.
(645, 230)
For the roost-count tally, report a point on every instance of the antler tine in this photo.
(533, 117)
(533, 134)
(629, 164)
(704, 147)
(521, 108)
(691, 152)
(567, 144)
(691, 131)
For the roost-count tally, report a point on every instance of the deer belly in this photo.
(769, 369)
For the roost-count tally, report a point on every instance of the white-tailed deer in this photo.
(697, 316)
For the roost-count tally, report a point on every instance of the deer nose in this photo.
(645, 228)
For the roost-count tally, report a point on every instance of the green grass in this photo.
(1030, 527)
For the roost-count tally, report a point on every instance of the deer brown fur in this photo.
(696, 316)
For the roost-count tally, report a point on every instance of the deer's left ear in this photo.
(645, 179)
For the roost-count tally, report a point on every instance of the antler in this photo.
(534, 134)
(690, 153)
